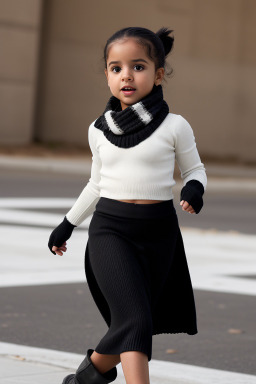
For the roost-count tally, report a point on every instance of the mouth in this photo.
(128, 90)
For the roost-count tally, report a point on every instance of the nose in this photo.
(126, 75)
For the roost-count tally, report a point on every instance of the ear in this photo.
(159, 76)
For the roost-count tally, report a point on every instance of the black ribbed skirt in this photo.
(137, 273)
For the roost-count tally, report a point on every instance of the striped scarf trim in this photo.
(134, 124)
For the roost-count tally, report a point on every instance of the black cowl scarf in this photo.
(127, 128)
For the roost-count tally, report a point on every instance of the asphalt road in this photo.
(224, 210)
(64, 316)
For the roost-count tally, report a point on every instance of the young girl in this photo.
(135, 261)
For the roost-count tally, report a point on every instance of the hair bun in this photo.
(167, 40)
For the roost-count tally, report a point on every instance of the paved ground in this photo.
(229, 203)
(49, 316)
(45, 299)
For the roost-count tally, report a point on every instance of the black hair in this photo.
(158, 45)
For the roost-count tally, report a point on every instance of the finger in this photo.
(190, 209)
(185, 205)
(182, 202)
(55, 248)
(58, 250)
(62, 248)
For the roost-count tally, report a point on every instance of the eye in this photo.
(138, 67)
(116, 69)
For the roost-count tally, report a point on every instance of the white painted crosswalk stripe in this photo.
(216, 265)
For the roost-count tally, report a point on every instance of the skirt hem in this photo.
(174, 332)
(124, 349)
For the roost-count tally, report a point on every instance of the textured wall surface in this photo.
(214, 64)
(19, 38)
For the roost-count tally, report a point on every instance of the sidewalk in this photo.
(220, 177)
(78, 166)
(28, 365)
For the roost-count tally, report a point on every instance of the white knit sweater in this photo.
(144, 171)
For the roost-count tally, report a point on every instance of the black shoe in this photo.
(87, 374)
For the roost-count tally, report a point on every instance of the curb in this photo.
(220, 177)
(49, 165)
(160, 371)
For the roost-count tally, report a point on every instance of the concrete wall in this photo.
(214, 63)
(19, 38)
(215, 86)
(213, 59)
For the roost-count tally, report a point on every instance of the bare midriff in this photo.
(141, 201)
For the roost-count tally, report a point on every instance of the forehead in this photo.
(125, 50)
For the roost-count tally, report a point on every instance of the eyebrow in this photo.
(134, 61)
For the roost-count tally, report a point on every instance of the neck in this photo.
(124, 106)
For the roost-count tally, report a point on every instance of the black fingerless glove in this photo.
(60, 234)
(193, 192)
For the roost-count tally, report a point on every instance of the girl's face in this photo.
(131, 75)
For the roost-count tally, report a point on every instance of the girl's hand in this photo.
(60, 250)
(59, 236)
(186, 207)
